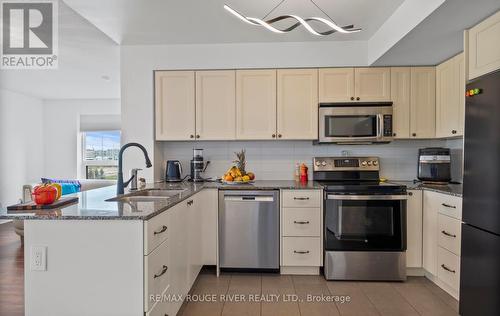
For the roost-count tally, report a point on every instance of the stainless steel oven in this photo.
(355, 122)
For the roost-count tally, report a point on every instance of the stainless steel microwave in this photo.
(354, 123)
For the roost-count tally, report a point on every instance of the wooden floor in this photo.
(417, 296)
(11, 272)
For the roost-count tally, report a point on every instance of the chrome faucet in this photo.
(120, 186)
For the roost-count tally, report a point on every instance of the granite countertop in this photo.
(92, 204)
(450, 189)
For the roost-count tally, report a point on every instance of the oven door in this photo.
(365, 222)
(353, 124)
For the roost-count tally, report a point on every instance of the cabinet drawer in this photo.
(164, 306)
(450, 205)
(302, 251)
(449, 232)
(156, 231)
(449, 268)
(301, 222)
(156, 273)
(301, 198)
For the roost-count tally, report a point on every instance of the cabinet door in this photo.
(414, 229)
(195, 257)
(209, 215)
(461, 86)
(445, 97)
(400, 95)
(255, 104)
(336, 85)
(297, 104)
(215, 105)
(372, 84)
(430, 228)
(174, 105)
(484, 47)
(423, 102)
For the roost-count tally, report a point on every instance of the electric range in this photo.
(364, 220)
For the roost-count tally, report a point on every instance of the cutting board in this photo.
(64, 201)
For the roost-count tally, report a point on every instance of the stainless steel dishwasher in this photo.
(249, 229)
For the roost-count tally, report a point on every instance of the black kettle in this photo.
(173, 172)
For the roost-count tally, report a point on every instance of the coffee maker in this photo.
(198, 165)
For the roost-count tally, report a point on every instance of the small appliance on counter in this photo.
(173, 171)
(198, 166)
(434, 165)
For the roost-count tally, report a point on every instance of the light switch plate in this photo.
(38, 258)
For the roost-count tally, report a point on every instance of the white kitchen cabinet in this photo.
(336, 85)
(450, 97)
(174, 105)
(430, 226)
(423, 102)
(400, 95)
(297, 103)
(372, 84)
(484, 47)
(209, 217)
(215, 105)
(414, 229)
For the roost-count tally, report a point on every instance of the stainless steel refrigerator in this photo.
(480, 255)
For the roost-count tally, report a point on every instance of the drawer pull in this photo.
(162, 230)
(301, 198)
(444, 232)
(163, 270)
(190, 202)
(448, 205)
(447, 269)
(301, 222)
(302, 252)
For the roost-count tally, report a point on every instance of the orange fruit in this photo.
(228, 178)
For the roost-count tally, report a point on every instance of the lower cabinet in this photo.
(414, 229)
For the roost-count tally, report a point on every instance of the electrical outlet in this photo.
(38, 258)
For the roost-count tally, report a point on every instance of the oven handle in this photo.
(367, 197)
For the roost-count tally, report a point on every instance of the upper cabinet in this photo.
(256, 104)
(484, 47)
(174, 105)
(423, 102)
(372, 84)
(354, 84)
(215, 105)
(336, 85)
(297, 101)
(450, 97)
(400, 95)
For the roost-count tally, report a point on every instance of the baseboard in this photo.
(415, 272)
(448, 289)
(4, 221)
(300, 270)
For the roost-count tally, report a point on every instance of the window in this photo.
(100, 154)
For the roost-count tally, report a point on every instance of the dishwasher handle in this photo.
(249, 198)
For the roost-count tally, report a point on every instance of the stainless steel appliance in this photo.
(434, 165)
(173, 171)
(480, 255)
(249, 229)
(364, 220)
(350, 123)
(198, 165)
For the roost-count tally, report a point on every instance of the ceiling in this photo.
(85, 55)
(132, 22)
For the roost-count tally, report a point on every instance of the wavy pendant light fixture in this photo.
(268, 24)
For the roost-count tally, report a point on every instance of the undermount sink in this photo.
(147, 195)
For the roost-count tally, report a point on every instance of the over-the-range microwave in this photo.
(355, 123)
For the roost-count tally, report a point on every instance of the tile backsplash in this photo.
(275, 160)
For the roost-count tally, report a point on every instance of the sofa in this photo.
(86, 185)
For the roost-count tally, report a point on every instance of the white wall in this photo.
(21, 144)
(61, 129)
(275, 160)
(139, 62)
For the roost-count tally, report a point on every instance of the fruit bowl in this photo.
(237, 182)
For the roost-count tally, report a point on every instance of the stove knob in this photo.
(363, 163)
(323, 163)
(375, 162)
(317, 163)
(369, 163)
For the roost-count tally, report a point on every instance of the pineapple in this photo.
(241, 161)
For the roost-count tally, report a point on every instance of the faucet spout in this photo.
(120, 186)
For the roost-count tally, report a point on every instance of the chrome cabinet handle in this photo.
(301, 198)
(302, 252)
(448, 205)
(162, 230)
(447, 269)
(444, 232)
(163, 270)
(301, 222)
